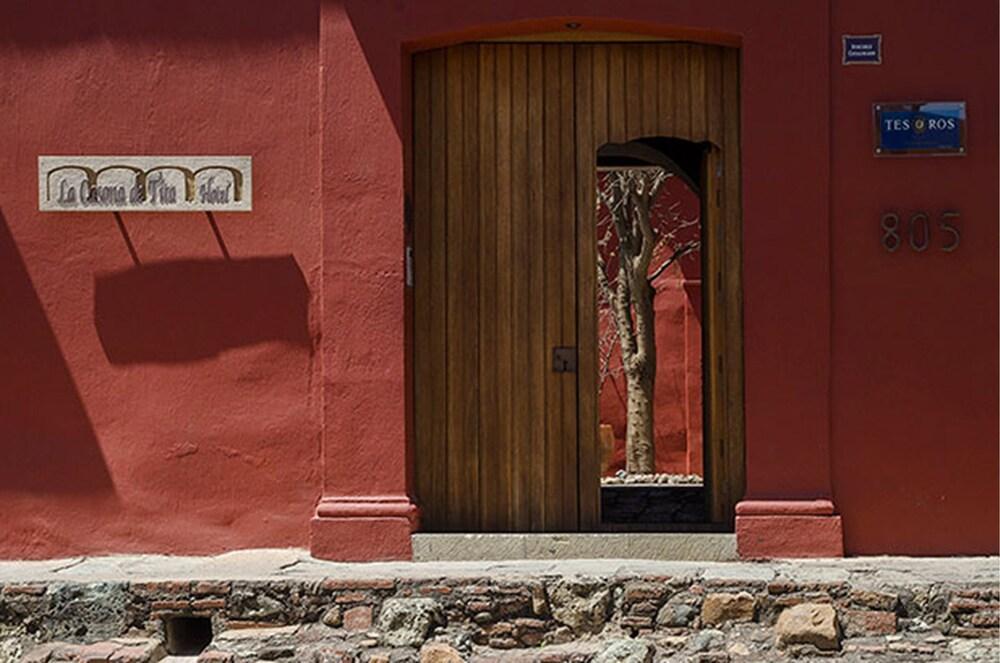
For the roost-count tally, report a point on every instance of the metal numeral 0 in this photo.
(890, 232)
(924, 221)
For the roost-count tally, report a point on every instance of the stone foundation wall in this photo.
(546, 618)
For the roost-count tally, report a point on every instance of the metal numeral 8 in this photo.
(890, 232)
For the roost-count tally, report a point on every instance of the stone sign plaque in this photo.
(144, 183)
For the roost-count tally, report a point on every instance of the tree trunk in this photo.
(640, 452)
(640, 456)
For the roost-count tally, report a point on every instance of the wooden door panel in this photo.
(505, 137)
(507, 452)
(689, 91)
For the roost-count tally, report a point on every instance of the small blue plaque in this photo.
(862, 49)
(920, 128)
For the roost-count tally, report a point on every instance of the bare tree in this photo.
(639, 237)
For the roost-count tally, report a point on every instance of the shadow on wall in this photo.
(186, 310)
(48, 442)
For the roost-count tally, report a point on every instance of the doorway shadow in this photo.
(186, 310)
(48, 442)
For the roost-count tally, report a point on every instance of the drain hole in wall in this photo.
(188, 635)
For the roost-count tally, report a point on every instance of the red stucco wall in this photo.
(786, 338)
(179, 404)
(171, 405)
(914, 380)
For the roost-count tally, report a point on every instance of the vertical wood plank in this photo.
(591, 132)
(490, 451)
(522, 298)
(422, 373)
(698, 102)
(599, 65)
(632, 99)
(664, 90)
(457, 457)
(505, 276)
(650, 83)
(569, 302)
(552, 255)
(713, 355)
(681, 86)
(714, 99)
(616, 94)
(535, 341)
(733, 287)
(436, 464)
(471, 273)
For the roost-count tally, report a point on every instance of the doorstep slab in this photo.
(705, 547)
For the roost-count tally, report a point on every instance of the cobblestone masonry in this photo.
(282, 605)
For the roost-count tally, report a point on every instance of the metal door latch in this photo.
(563, 360)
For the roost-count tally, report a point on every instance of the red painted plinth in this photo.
(788, 528)
(363, 529)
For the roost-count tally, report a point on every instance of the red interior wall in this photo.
(169, 406)
(677, 411)
(914, 380)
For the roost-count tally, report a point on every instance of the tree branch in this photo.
(687, 248)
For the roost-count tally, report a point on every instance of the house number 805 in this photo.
(918, 232)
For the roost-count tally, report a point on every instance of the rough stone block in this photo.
(351, 597)
(969, 605)
(27, 589)
(99, 652)
(808, 624)
(582, 605)
(724, 607)
(867, 622)
(637, 592)
(137, 650)
(208, 604)
(333, 616)
(358, 618)
(985, 618)
(873, 600)
(210, 588)
(407, 622)
(676, 613)
(215, 657)
(45, 652)
(439, 652)
(625, 651)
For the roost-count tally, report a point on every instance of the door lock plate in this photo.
(564, 360)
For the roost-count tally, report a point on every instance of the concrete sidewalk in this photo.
(278, 564)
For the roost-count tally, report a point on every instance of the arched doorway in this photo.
(505, 147)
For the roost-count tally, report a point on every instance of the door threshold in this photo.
(671, 546)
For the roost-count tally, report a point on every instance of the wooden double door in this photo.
(505, 138)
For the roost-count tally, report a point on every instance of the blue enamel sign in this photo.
(862, 49)
(920, 128)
